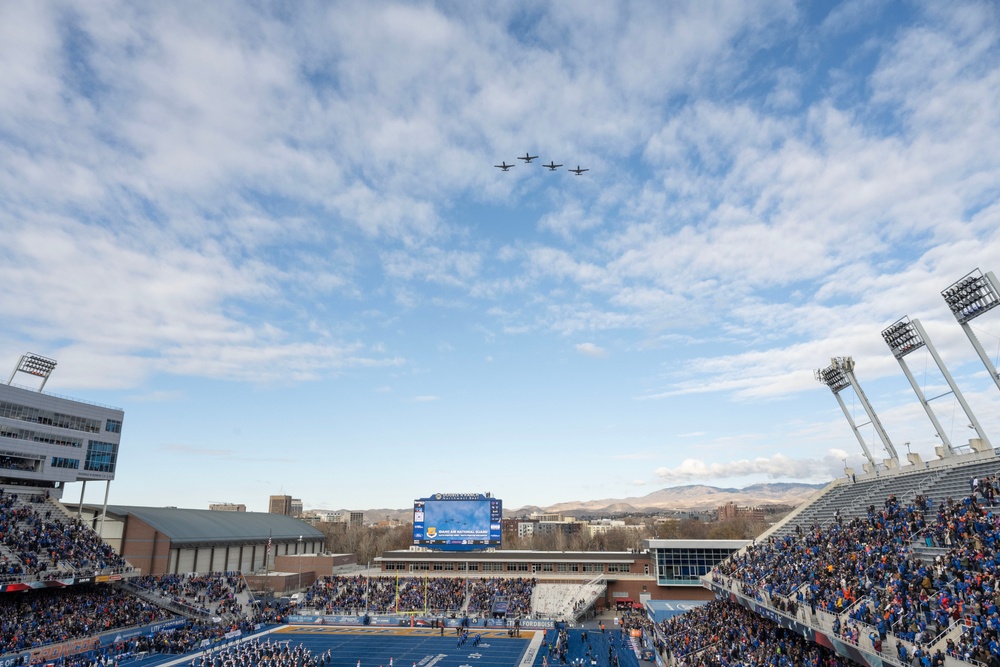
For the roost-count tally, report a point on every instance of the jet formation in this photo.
(527, 159)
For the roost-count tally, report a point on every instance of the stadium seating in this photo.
(910, 558)
(42, 542)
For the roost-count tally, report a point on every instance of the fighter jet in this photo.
(578, 171)
(552, 165)
(504, 166)
(528, 157)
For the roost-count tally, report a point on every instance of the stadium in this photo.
(894, 564)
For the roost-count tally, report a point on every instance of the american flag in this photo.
(268, 545)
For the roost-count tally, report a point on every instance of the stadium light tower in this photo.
(969, 298)
(838, 376)
(905, 336)
(34, 364)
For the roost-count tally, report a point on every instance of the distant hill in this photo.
(692, 496)
(689, 497)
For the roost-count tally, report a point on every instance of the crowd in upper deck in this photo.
(45, 545)
(864, 569)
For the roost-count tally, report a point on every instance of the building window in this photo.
(593, 567)
(567, 567)
(113, 426)
(687, 566)
(101, 456)
(619, 567)
(46, 418)
(62, 462)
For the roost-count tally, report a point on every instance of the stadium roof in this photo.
(190, 526)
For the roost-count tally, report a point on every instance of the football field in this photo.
(426, 647)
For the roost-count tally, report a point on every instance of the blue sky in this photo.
(273, 234)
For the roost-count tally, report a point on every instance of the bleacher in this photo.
(915, 584)
(565, 601)
(40, 539)
(850, 499)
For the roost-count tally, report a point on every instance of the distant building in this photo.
(604, 525)
(353, 519)
(731, 511)
(280, 505)
(227, 507)
(295, 508)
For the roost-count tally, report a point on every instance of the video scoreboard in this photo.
(457, 521)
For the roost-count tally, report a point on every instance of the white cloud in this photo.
(591, 350)
(777, 466)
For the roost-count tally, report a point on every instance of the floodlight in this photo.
(972, 296)
(838, 376)
(902, 337)
(34, 364)
(969, 298)
(834, 376)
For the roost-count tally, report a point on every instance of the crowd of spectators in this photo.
(55, 615)
(483, 593)
(724, 634)
(865, 571)
(194, 634)
(46, 545)
(211, 594)
(15, 463)
(436, 595)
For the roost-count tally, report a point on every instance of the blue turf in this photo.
(375, 646)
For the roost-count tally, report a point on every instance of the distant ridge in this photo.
(688, 497)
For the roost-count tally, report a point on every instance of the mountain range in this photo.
(689, 497)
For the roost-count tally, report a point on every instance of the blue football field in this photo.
(424, 647)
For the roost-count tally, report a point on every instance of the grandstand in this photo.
(899, 565)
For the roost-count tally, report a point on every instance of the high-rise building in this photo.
(280, 505)
(295, 508)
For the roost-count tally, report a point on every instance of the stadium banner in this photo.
(423, 622)
(299, 619)
(383, 621)
(39, 585)
(109, 638)
(53, 652)
(15, 659)
(68, 649)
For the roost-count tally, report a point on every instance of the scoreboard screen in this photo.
(457, 521)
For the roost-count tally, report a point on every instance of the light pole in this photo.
(300, 563)
(368, 578)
